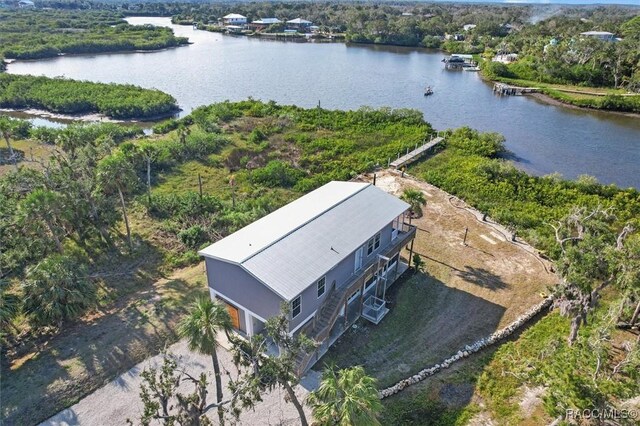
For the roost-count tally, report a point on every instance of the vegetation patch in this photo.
(74, 32)
(63, 96)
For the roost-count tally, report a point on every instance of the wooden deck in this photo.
(415, 154)
(506, 89)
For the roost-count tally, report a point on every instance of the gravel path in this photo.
(119, 400)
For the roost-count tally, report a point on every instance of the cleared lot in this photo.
(466, 291)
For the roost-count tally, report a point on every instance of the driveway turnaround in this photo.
(119, 400)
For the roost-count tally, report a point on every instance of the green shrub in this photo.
(193, 237)
(277, 174)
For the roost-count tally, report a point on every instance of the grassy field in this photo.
(29, 150)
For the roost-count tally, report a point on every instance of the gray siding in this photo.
(342, 273)
(239, 286)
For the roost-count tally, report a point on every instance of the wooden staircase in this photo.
(319, 328)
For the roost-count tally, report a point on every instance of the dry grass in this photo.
(489, 266)
(43, 377)
(30, 150)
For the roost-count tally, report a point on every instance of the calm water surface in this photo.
(543, 138)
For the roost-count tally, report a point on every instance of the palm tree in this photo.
(345, 397)
(116, 173)
(44, 206)
(416, 200)
(9, 308)
(57, 289)
(149, 152)
(6, 128)
(201, 327)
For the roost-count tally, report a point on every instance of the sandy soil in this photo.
(489, 265)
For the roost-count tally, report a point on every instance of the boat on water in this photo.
(428, 91)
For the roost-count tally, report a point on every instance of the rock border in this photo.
(468, 350)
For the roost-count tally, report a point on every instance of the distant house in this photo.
(299, 24)
(469, 27)
(234, 19)
(505, 58)
(263, 23)
(552, 43)
(330, 255)
(26, 4)
(602, 35)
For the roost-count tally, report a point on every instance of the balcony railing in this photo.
(374, 309)
(320, 326)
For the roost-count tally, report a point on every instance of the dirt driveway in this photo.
(489, 266)
(119, 400)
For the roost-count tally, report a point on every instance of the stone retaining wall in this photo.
(468, 350)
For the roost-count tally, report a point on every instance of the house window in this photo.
(321, 285)
(370, 282)
(296, 307)
(373, 244)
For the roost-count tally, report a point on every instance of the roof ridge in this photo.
(304, 223)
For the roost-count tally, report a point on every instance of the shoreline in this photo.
(92, 117)
(110, 52)
(555, 102)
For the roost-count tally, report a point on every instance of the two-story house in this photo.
(331, 255)
(234, 19)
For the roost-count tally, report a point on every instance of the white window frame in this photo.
(324, 286)
(299, 299)
(358, 259)
(371, 244)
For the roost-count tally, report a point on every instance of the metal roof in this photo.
(291, 248)
(603, 33)
(234, 16)
(267, 21)
(298, 21)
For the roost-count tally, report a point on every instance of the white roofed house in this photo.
(331, 255)
(602, 35)
(299, 24)
(234, 19)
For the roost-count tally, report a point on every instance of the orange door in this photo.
(235, 317)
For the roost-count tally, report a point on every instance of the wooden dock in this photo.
(508, 90)
(412, 156)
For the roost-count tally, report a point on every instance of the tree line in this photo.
(35, 34)
(64, 96)
(553, 51)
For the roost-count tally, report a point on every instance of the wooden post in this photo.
(464, 241)
(410, 253)
(346, 312)
(388, 162)
(407, 151)
(200, 184)
(374, 179)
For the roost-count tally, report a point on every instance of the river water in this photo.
(543, 138)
